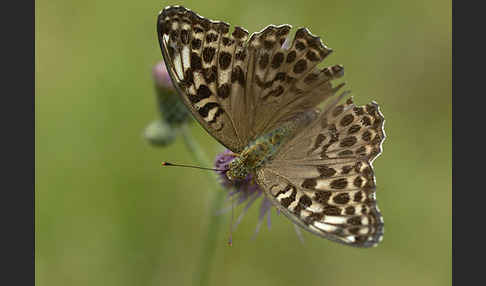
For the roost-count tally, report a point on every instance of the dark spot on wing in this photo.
(204, 111)
(239, 33)
(288, 200)
(240, 56)
(358, 181)
(185, 37)
(331, 210)
(326, 171)
(311, 56)
(195, 62)
(211, 37)
(208, 54)
(237, 75)
(348, 141)
(224, 90)
(341, 199)
(309, 183)
(299, 45)
(224, 60)
(210, 74)
(277, 60)
(347, 119)
(264, 61)
(353, 129)
(291, 56)
(195, 44)
(350, 210)
(339, 183)
(322, 197)
(300, 66)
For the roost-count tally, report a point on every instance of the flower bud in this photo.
(159, 133)
(172, 109)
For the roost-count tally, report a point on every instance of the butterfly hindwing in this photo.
(343, 216)
(324, 181)
(342, 131)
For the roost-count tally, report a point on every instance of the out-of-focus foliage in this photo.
(107, 214)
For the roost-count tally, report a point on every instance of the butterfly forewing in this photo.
(323, 179)
(199, 56)
(285, 79)
(240, 87)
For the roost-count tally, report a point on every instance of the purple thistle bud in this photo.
(162, 132)
(161, 76)
(171, 107)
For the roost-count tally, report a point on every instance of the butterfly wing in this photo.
(285, 80)
(199, 54)
(237, 87)
(323, 179)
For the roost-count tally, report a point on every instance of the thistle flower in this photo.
(163, 131)
(242, 191)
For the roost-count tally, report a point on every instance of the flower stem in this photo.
(203, 269)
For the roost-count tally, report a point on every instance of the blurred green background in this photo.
(108, 214)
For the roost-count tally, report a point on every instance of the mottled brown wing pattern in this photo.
(324, 189)
(284, 78)
(342, 131)
(240, 87)
(200, 55)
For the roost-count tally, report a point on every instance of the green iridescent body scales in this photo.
(265, 147)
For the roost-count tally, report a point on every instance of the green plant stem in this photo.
(203, 269)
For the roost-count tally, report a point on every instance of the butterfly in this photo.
(258, 95)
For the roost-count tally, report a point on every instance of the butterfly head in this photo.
(237, 170)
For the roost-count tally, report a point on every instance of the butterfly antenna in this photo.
(189, 166)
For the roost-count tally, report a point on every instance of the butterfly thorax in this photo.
(265, 147)
(257, 153)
